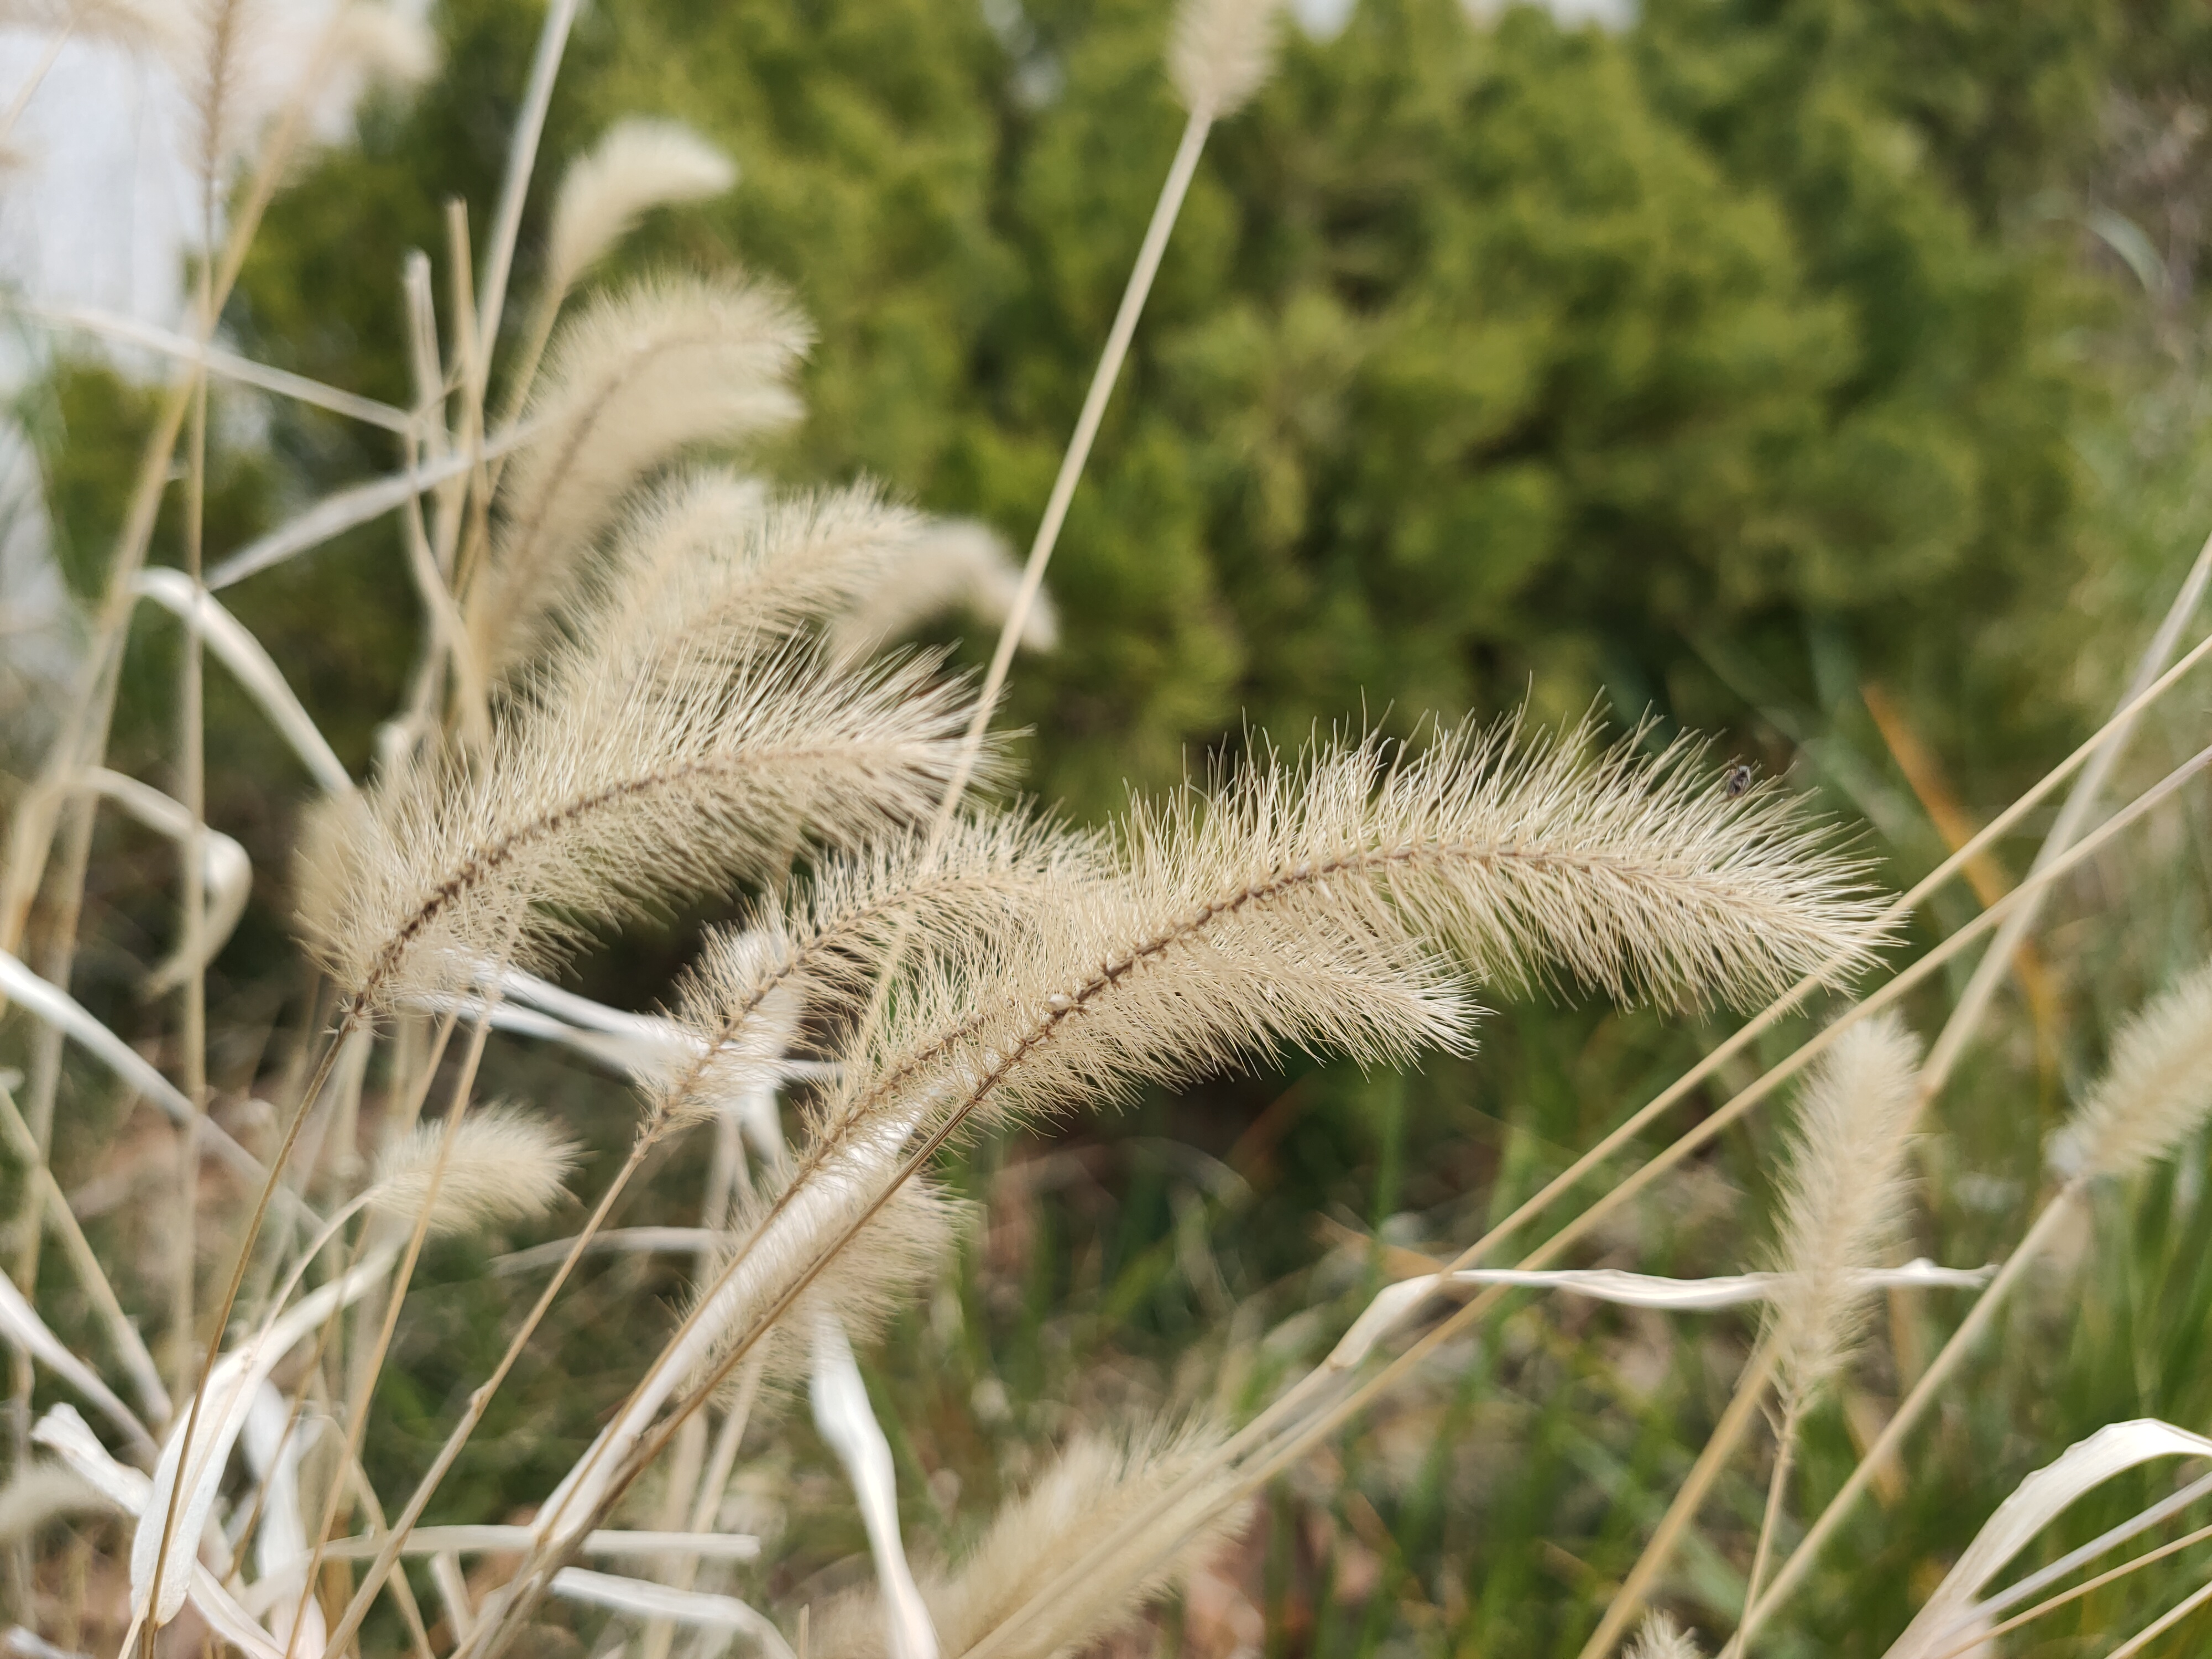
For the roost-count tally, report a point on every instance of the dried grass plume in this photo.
(503, 1165)
(633, 381)
(638, 165)
(1843, 1196)
(1661, 1637)
(602, 795)
(956, 565)
(2155, 1092)
(1220, 53)
(1097, 1483)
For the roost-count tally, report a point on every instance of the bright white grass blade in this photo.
(694, 1608)
(632, 1055)
(2141, 1521)
(357, 505)
(647, 1049)
(638, 165)
(23, 1330)
(956, 565)
(228, 365)
(43, 1492)
(231, 1388)
(226, 873)
(1394, 1304)
(280, 1543)
(618, 1544)
(60, 1010)
(69, 1437)
(2036, 1501)
(255, 671)
(847, 1422)
(62, 1431)
(28, 1645)
(18, 984)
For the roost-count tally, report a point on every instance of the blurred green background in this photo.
(1823, 375)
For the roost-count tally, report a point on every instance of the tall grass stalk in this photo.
(638, 686)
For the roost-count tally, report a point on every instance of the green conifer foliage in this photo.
(1484, 358)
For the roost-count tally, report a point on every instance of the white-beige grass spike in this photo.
(503, 1165)
(1098, 1481)
(1220, 53)
(2155, 1093)
(602, 796)
(1661, 1637)
(639, 164)
(957, 565)
(1844, 1197)
(715, 557)
(1299, 903)
(819, 947)
(635, 379)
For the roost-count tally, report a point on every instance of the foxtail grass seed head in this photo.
(2155, 1092)
(1843, 1195)
(904, 1243)
(638, 165)
(713, 561)
(503, 1166)
(819, 949)
(604, 795)
(957, 565)
(384, 44)
(1661, 1637)
(1323, 903)
(1098, 1482)
(1220, 53)
(640, 375)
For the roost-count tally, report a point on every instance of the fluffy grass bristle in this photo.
(638, 165)
(503, 1166)
(957, 565)
(1097, 1483)
(1220, 53)
(636, 379)
(1661, 1637)
(602, 795)
(1843, 1196)
(2155, 1093)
